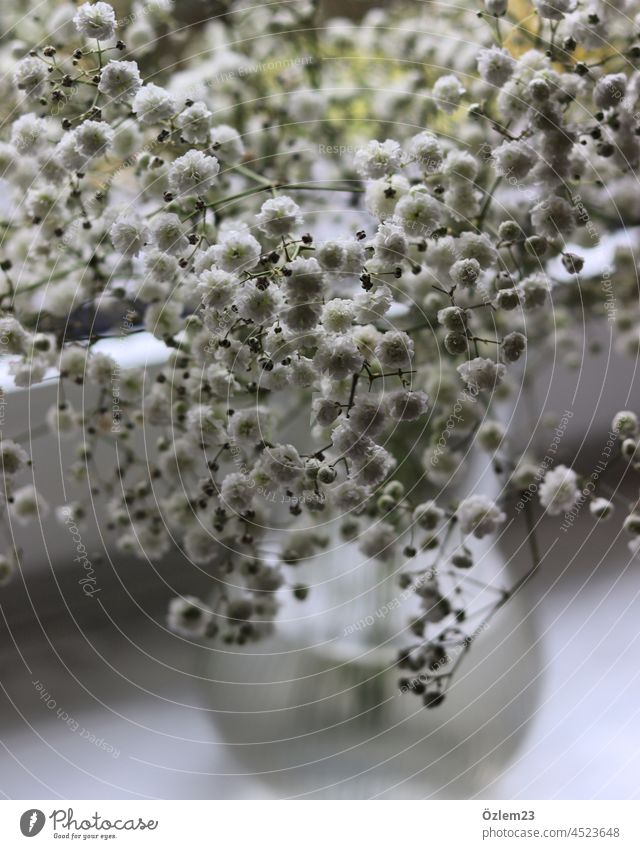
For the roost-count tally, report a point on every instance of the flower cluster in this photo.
(388, 286)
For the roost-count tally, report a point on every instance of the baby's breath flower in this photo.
(427, 151)
(28, 504)
(279, 216)
(129, 234)
(337, 315)
(189, 617)
(428, 515)
(553, 10)
(338, 357)
(30, 76)
(395, 350)
(96, 20)
(26, 132)
(13, 457)
(495, 65)
(481, 373)
(448, 92)
(237, 251)
(153, 104)
(226, 143)
(479, 515)
(167, 233)
(120, 81)
(193, 174)
(601, 508)
(195, 123)
(553, 217)
(406, 405)
(558, 491)
(625, 424)
(390, 244)
(378, 159)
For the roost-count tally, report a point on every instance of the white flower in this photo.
(514, 159)
(418, 213)
(558, 491)
(189, 617)
(358, 447)
(481, 373)
(26, 132)
(381, 196)
(237, 493)
(13, 336)
(247, 427)
(30, 75)
(13, 457)
(406, 405)
(601, 508)
(447, 93)
(129, 234)
(373, 305)
(395, 350)
(428, 515)
(102, 369)
(376, 467)
(163, 319)
(237, 251)
(609, 91)
(61, 419)
(305, 281)
(368, 416)
(325, 411)
(553, 10)
(283, 464)
(477, 246)
(378, 159)
(195, 123)
(153, 104)
(279, 216)
(200, 546)
(337, 315)
(93, 138)
(217, 288)
(28, 504)
(465, 272)
(193, 174)
(479, 515)
(379, 541)
(261, 305)
(495, 65)
(120, 80)
(553, 217)
(27, 372)
(390, 244)
(625, 424)
(533, 291)
(168, 234)
(338, 357)
(68, 153)
(97, 20)
(226, 143)
(427, 151)
(349, 496)
(331, 255)
(460, 166)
